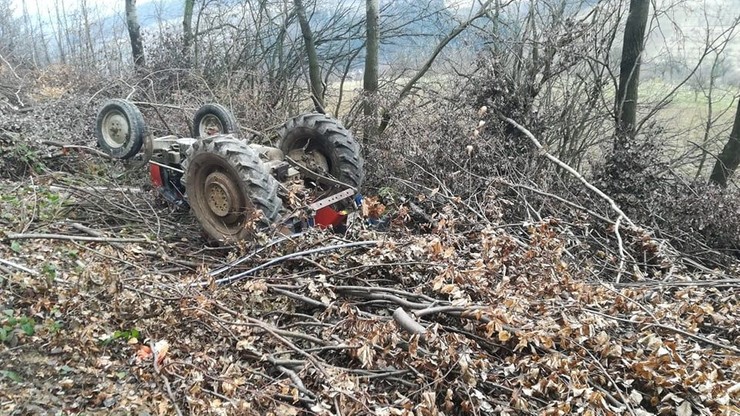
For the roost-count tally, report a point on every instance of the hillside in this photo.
(111, 304)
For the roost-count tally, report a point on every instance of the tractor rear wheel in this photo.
(212, 119)
(323, 145)
(229, 189)
(120, 128)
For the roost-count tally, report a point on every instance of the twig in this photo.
(304, 299)
(79, 148)
(670, 328)
(245, 274)
(297, 382)
(625, 401)
(41, 236)
(19, 267)
(719, 283)
(273, 331)
(252, 254)
(621, 249)
(20, 86)
(172, 396)
(556, 197)
(585, 182)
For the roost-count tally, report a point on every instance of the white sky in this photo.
(107, 6)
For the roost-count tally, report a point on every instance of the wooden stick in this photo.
(79, 148)
(41, 236)
(245, 274)
(405, 321)
(19, 267)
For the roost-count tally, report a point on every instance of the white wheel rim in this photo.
(209, 126)
(115, 129)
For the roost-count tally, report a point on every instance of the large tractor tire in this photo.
(229, 189)
(212, 119)
(120, 128)
(323, 145)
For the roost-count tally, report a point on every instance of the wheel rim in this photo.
(221, 194)
(217, 196)
(209, 126)
(115, 129)
(312, 159)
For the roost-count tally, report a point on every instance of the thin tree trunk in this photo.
(90, 50)
(134, 33)
(44, 42)
(314, 70)
(370, 80)
(58, 34)
(187, 30)
(29, 32)
(728, 160)
(629, 68)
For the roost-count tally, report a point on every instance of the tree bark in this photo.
(134, 33)
(728, 160)
(314, 69)
(629, 68)
(187, 30)
(370, 79)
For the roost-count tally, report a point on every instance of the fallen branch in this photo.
(19, 267)
(591, 187)
(83, 149)
(79, 227)
(405, 321)
(669, 328)
(41, 236)
(245, 274)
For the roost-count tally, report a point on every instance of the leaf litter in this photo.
(455, 317)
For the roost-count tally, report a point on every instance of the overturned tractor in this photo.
(233, 186)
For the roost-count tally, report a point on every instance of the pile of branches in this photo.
(432, 305)
(463, 318)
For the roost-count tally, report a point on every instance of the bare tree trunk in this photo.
(90, 51)
(187, 30)
(30, 32)
(629, 68)
(370, 80)
(44, 42)
(58, 35)
(134, 33)
(64, 25)
(728, 160)
(314, 70)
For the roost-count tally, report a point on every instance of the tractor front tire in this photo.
(323, 140)
(212, 119)
(230, 191)
(120, 128)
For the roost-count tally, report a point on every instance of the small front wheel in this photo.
(120, 128)
(212, 119)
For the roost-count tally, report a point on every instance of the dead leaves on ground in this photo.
(515, 324)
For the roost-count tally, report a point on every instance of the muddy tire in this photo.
(229, 189)
(120, 128)
(323, 141)
(212, 119)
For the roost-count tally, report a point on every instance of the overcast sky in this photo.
(107, 6)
